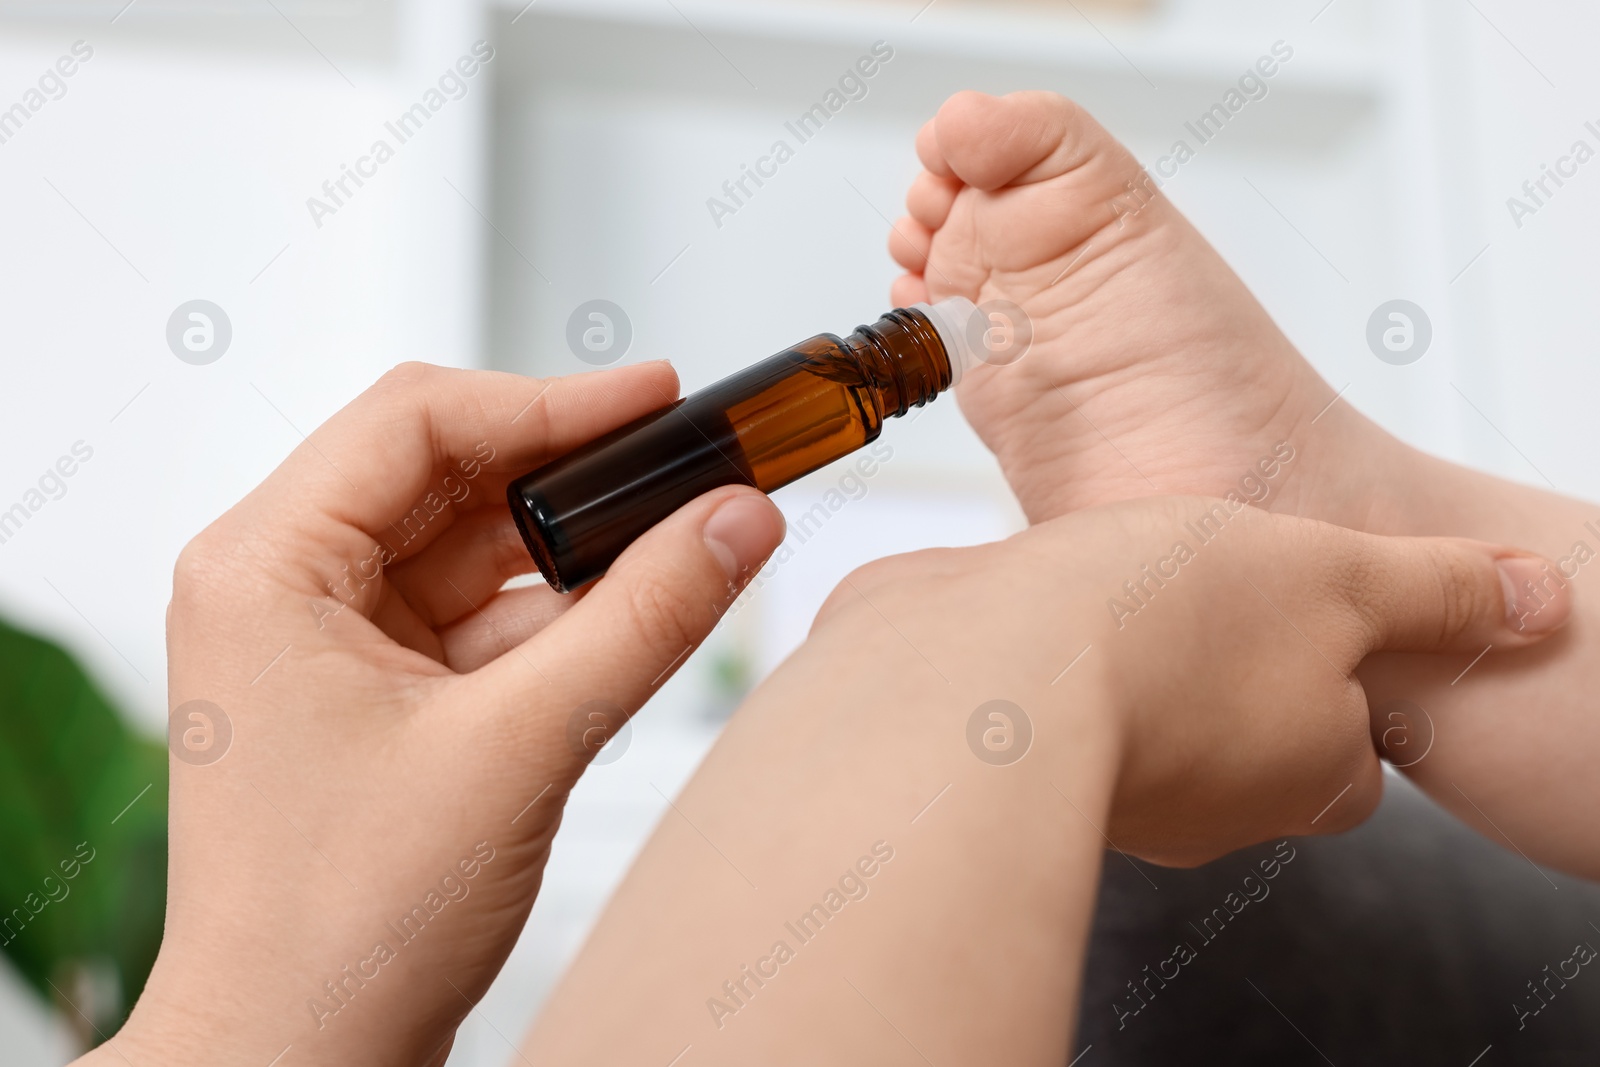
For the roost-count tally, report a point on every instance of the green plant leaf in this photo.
(83, 835)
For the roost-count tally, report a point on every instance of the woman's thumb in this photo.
(663, 596)
(1438, 594)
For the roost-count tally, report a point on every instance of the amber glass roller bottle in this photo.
(765, 426)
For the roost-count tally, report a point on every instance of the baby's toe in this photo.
(909, 242)
(930, 198)
(928, 151)
(908, 289)
(991, 141)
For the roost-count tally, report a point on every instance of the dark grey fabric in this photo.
(1410, 940)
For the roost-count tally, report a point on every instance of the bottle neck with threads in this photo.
(912, 354)
(905, 359)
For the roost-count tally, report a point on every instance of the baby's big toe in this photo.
(991, 141)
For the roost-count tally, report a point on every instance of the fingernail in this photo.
(1537, 597)
(742, 532)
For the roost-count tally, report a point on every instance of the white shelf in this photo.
(1155, 49)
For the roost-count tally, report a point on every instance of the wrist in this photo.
(159, 1030)
(194, 1010)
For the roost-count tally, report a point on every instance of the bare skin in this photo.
(401, 726)
(1154, 370)
(1205, 723)
(407, 759)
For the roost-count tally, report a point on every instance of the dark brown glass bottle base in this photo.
(652, 467)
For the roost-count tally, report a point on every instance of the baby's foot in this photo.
(1152, 368)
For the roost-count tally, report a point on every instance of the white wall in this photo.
(1536, 283)
(191, 161)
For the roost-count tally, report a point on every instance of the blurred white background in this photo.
(577, 165)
